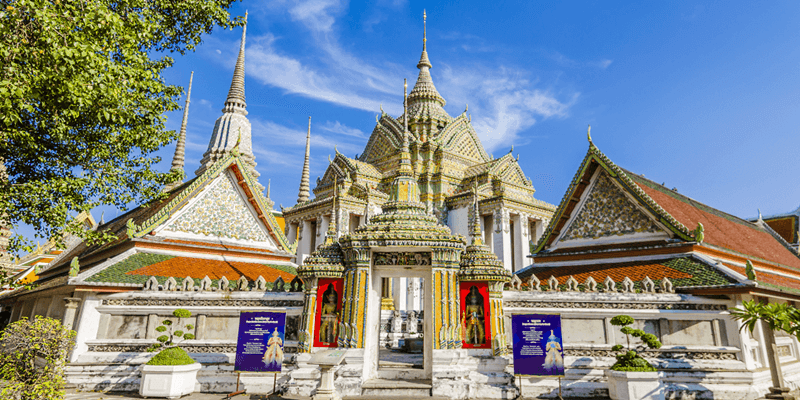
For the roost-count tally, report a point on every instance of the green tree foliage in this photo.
(32, 358)
(779, 316)
(170, 354)
(629, 359)
(82, 103)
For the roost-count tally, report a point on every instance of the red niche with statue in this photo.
(475, 322)
(329, 311)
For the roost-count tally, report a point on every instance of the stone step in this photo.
(382, 388)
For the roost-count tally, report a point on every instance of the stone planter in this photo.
(624, 385)
(170, 381)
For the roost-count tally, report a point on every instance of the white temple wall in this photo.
(704, 355)
(458, 221)
(114, 331)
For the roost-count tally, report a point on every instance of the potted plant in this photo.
(632, 377)
(171, 373)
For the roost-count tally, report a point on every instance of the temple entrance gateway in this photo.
(392, 345)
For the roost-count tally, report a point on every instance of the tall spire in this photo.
(303, 194)
(236, 92)
(425, 104)
(180, 147)
(233, 126)
(332, 224)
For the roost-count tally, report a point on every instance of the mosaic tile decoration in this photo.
(606, 212)
(221, 212)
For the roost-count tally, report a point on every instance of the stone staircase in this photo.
(382, 388)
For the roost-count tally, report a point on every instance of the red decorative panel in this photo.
(475, 322)
(329, 311)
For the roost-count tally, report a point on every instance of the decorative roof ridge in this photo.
(197, 185)
(622, 177)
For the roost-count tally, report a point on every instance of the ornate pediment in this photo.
(459, 137)
(384, 141)
(606, 212)
(219, 211)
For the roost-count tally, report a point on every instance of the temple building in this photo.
(622, 244)
(447, 160)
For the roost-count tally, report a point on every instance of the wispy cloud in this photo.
(338, 127)
(505, 102)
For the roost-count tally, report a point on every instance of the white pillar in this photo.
(322, 229)
(521, 246)
(86, 325)
(414, 297)
(502, 238)
(306, 234)
(292, 233)
(400, 293)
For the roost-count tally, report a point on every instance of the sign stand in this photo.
(237, 392)
(274, 382)
(559, 389)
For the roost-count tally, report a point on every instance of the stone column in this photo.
(304, 236)
(152, 324)
(71, 305)
(200, 328)
(322, 229)
(292, 232)
(502, 238)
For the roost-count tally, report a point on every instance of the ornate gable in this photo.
(607, 211)
(509, 171)
(219, 212)
(570, 204)
(460, 138)
(384, 140)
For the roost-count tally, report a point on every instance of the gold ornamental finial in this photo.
(424, 29)
(405, 106)
(589, 135)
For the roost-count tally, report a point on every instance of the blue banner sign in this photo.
(259, 346)
(538, 349)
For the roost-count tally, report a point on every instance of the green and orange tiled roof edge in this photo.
(120, 272)
(702, 275)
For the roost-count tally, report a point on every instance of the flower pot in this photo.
(623, 385)
(170, 381)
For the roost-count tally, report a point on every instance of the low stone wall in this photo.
(702, 355)
(127, 323)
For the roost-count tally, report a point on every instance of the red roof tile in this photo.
(180, 267)
(721, 229)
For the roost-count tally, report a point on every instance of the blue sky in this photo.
(703, 96)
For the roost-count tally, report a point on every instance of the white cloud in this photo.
(503, 101)
(338, 127)
(604, 63)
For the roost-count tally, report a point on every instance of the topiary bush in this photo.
(170, 353)
(629, 359)
(171, 356)
(32, 358)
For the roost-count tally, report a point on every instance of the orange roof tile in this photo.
(180, 267)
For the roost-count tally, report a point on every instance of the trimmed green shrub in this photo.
(171, 356)
(32, 358)
(168, 343)
(629, 359)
